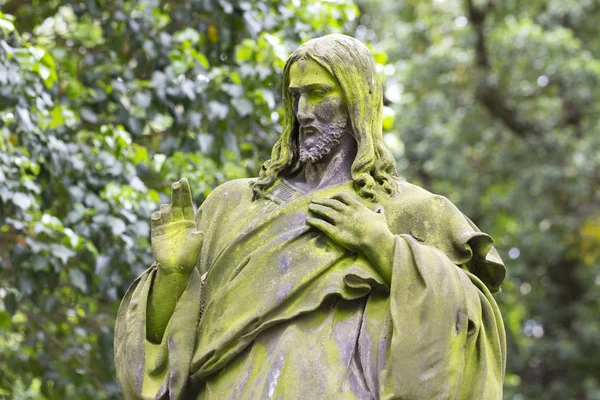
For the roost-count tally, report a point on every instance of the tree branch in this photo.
(488, 91)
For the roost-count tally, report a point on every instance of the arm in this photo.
(164, 294)
(156, 326)
(444, 323)
(176, 244)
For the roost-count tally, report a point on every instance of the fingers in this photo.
(177, 216)
(321, 225)
(323, 211)
(176, 208)
(156, 219)
(331, 203)
(346, 199)
(156, 224)
(181, 200)
(159, 220)
(165, 211)
(187, 203)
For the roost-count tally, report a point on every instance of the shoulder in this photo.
(434, 220)
(428, 217)
(418, 202)
(233, 188)
(229, 194)
(225, 200)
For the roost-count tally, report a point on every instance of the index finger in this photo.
(186, 199)
(181, 195)
(332, 203)
(346, 199)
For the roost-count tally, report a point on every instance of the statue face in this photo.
(320, 108)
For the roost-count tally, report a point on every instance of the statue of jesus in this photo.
(326, 277)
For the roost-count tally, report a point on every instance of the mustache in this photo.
(311, 129)
(308, 129)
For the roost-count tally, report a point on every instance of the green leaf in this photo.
(201, 58)
(6, 26)
(22, 201)
(188, 34)
(5, 319)
(78, 279)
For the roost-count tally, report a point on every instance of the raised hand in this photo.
(176, 241)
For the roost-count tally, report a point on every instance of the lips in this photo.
(308, 130)
(308, 135)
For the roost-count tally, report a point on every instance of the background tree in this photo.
(104, 103)
(497, 108)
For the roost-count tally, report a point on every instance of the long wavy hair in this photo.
(351, 63)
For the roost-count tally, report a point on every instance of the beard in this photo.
(324, 141)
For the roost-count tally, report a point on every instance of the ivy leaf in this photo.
(78, 279)
(22, 201)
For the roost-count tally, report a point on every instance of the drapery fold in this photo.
(146, 370)
(447, 335)
(434, 332)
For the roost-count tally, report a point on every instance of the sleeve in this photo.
(154, 371)
(146, 370)
(449, 230)
(446, 335)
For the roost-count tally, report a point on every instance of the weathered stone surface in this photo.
(324, 278)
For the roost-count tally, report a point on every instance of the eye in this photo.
(319, 92)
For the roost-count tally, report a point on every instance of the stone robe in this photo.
(276, 310)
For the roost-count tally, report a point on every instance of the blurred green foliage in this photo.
(497, 107)
(104, 103)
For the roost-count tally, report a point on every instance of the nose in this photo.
(305, 111)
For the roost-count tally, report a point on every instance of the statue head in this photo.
(351, 64)
(319, 105)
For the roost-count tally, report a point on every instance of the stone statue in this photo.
(326, 277)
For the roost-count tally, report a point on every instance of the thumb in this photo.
(195, 239)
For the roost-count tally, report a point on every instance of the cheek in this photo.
(329, 110)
